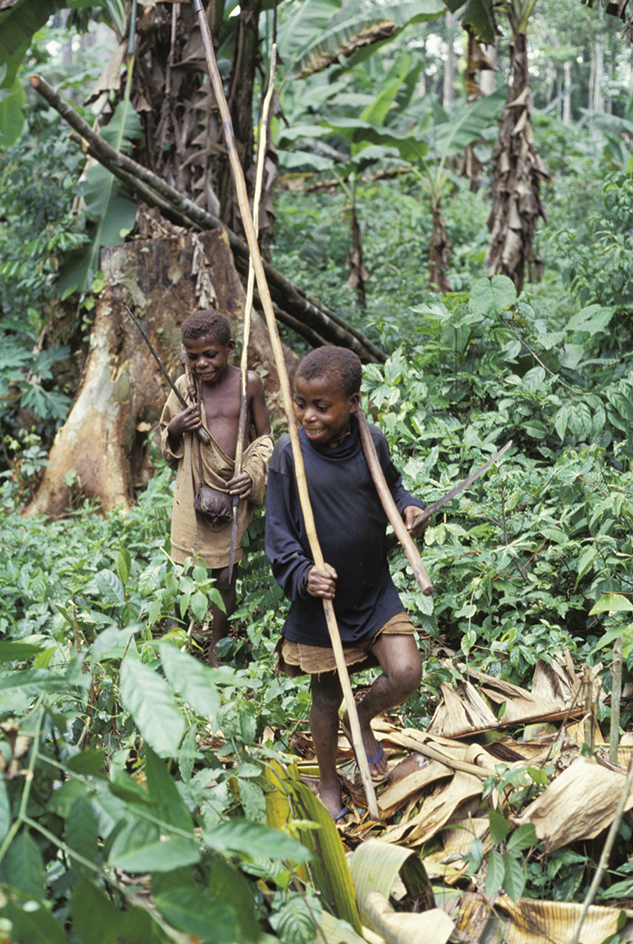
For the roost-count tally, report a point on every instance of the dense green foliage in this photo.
(122, 753)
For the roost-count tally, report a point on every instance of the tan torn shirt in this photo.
(194, 535)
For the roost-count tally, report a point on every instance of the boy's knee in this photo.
(408, 678)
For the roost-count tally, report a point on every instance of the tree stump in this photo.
(101, 451)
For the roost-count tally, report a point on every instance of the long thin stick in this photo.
(606, 852)
(302, 485)
(398, 525)
(248, 305)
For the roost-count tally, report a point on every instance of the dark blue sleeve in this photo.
(287, 547)
(401, 497)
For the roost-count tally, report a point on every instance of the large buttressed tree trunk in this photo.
(518, 172)
(101, 451)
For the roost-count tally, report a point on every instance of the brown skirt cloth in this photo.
(295, 658)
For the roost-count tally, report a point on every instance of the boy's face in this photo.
(323, 409)
(208, 357)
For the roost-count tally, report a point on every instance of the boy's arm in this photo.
(259, 410)
(251, 483)
(290, 563)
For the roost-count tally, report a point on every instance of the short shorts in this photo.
(296, 658)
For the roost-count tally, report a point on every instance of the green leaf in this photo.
(24, 866)
(192, 679)
(522, 838)
(199, 605)
(162, 790)
(491, 297)
(16, 651)
(611, 603)
(90, 762)
(138, 847)
(95, 918)
(5, 810)
(495, 873)
(514, 880)
(499, 827)
(123, 565)
(11, 114)
(33, 924)
(150, 702)
(82, 833)
(110, 586)
(253, 840)
(195, 911)
(585, 560)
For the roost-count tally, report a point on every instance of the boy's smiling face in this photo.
(324, 409)
(208, 357)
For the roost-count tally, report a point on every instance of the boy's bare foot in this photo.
(376, 757)
(329, 793)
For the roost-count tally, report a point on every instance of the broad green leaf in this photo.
(514, 880)
(96, 919)
(491, 297)
(16, 651)
(199, 605)
(585, 560)
(195, 911)
(33, 924)
(611, 603)
(192, 679)
(11, 115)
(90, 762)
(593, 318)
(499, 827)
(24, 866)
(150, 702)
(138, 847)
(479, 14)
(522, 838)
(82, 835)
(162, 790)
(253, 840)
(5, 810)
(123, 565)
(495, 873)
(110, 586)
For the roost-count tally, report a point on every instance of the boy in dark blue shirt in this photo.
(350, 523)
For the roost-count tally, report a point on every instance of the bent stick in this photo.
(302, 486)
(389, 505)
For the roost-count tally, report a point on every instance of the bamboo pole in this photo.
(248, 305)
(606, 852)
(616, 696)
(395, 519)
(302, 485)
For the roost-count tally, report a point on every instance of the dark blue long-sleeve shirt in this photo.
(350, 524)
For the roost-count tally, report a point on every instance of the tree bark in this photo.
(518, 171)
(101, 451)
(159, 193)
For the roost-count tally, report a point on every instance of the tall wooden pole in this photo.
(302, 486)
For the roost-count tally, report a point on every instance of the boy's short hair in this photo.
(339, 363)
(206, 322)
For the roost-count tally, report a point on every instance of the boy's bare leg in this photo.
(401, 665)
(220, 620)
(327, 696)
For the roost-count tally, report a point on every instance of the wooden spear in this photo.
(302, 486)
(389, 505)
(250, 290)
